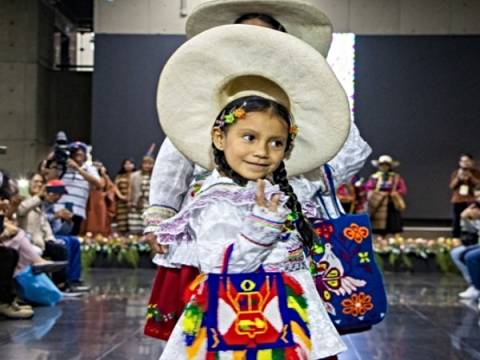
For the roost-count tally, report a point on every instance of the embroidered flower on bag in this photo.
(357, 305)
(356, 233)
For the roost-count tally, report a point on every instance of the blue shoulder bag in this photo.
(345, 272)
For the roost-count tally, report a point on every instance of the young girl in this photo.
(248, 205)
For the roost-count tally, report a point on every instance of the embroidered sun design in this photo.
(356, 233)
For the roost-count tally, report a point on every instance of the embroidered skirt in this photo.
(167, 301)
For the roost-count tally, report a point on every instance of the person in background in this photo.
(462, 182)
(470, 224)
(33, 220)
(385, 192)
(346, 195)
(8, 263)
(11, 236)
(122, 186)
(139, 192)
(100, 205)
(78, 180)
(61, 222)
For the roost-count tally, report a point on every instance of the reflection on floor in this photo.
(425, 321)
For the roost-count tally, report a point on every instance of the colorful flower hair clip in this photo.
(231, 117)
(293, 131)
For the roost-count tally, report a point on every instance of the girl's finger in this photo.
(273, 206)
(260, 195)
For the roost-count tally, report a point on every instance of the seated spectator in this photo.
(470, 226)
(8, 263)
(14, 238)
(78, 179)
(472, 261)
(61, 222)
(33, 220)
(8, 307)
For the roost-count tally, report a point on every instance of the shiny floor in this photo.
(426, 321)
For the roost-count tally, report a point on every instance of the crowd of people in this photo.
(65, 197)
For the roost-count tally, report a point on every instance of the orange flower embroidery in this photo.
(356, 233)
(239, 113)
(357, 305)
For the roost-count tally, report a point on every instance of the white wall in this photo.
(387, 17)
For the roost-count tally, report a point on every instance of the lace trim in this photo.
(155, 215)
(176, 229)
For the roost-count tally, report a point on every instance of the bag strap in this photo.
(333, 193)
(226, 258)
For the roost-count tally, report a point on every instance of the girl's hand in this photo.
(262, 201)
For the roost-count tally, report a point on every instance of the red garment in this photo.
(167, 300)
(97, 220)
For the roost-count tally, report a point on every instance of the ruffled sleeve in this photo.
(226, 214)
(170, 181)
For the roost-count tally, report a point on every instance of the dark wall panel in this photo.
(124, 116)
(418, 98)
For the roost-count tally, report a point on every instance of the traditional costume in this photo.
(277, 311)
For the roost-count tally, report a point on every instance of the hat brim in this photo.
(56, 190)
(300, 19)
(190, 96)
(393, 164)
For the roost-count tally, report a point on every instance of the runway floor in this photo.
(425, 322)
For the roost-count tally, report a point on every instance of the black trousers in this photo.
(8, 262)
(77, 224)
(57, 252)
(457, 210)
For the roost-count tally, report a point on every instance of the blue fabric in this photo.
(59, 226)
(472, 260)
(74, 267)
(37, 288)
(234, 282)
(342, 256)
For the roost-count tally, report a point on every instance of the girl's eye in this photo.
(248, 138)
(277, 144)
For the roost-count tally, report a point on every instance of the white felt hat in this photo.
(231, 61)
(300, 18)
(385, 159)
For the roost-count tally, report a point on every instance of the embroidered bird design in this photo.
(332, 273)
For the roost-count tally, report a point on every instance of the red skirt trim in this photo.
(166, 302)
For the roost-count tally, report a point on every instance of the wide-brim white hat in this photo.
(227, 62)
(385, 159)
(299, 17)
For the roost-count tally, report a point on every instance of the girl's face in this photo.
(253, 146)
(128, 166)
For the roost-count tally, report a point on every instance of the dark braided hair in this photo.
(272, 22)
(260, 104)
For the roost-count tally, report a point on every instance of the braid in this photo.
(303, 226)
